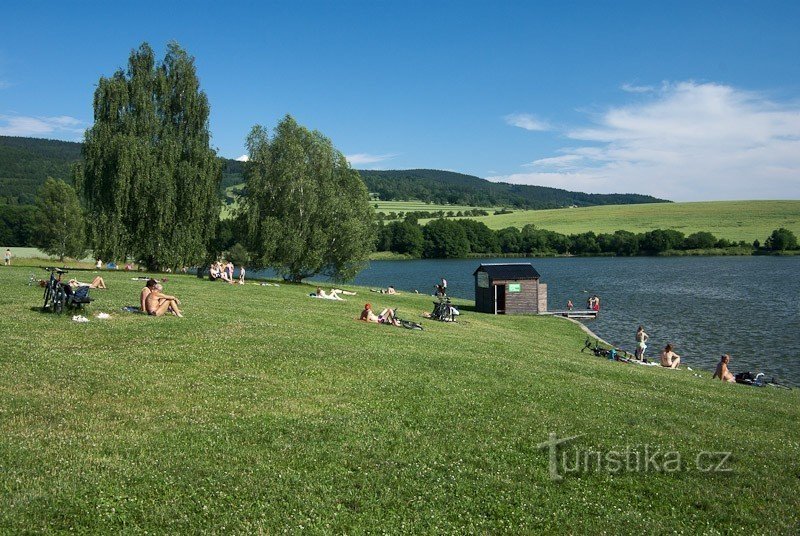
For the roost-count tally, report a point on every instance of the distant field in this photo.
(734, 220)
(411, 206)
(382, 206)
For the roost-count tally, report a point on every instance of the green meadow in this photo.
(412, 206)
(265, 411)
(734, 220)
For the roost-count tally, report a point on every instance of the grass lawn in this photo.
(734, 220)
(265, 410)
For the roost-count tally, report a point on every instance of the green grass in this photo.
(411, 206)
(734, 220)
(33, 257)
(265, 410)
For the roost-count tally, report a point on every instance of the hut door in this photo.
(500, 299)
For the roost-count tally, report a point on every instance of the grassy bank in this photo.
(266, 410)
(734, 220)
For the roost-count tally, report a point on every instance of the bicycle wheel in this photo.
(48, 298)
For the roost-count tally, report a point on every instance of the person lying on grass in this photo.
(386, 316)
(97, 282)
(156, 303)
(388, 290)
(332, 295)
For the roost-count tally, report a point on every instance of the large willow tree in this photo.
(150, 179)
(307, 211)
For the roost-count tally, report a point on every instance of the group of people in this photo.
(224, 272)
(669, 359)
(593, 303)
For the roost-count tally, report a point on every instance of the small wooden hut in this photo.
(509, 288)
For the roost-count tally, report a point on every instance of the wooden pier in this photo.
(587, 314)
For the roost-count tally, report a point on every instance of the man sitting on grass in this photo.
(156, 303)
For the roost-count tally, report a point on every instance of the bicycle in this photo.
(55, 297)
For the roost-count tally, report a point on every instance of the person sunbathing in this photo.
(722, 370)
(386, 316)
(156, 303)
(388, 290)
(670, 359)
(97, 282)
(214, 271)
(333, 295)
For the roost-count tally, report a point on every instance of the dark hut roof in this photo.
(519, 270)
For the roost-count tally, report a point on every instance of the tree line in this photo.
(442, 238)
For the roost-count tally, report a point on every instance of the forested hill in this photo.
(25, 163)
(447, 187)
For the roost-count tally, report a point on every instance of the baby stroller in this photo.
(58, 295)
(444, 311)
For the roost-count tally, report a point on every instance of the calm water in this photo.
(705, 306)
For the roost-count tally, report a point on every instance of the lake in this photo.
(748, 307)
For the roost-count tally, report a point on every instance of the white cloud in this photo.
(631, 88)
(243, 158)
(364, 158)
(689, 141)
(58, 127)
(526, 121)
(4, 84)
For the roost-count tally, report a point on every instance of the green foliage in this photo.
(238, 255)
(25, 164)
(402, 237)
(59, 227)
(307, 211)
(481, 239)
(781, 240)
(445, 239)
(150, 178)
(16, 223)
(700, 240)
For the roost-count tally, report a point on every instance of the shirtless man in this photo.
(670, 359)
(157, 303)
(722, 370)
(386, 316)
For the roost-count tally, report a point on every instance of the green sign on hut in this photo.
(509, 288)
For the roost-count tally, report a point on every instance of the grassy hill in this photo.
(734, 220)
(266, 411)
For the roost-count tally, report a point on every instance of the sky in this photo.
(687, 101)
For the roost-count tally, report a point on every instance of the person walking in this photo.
(7, 257)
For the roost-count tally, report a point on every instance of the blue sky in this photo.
(683, 100)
